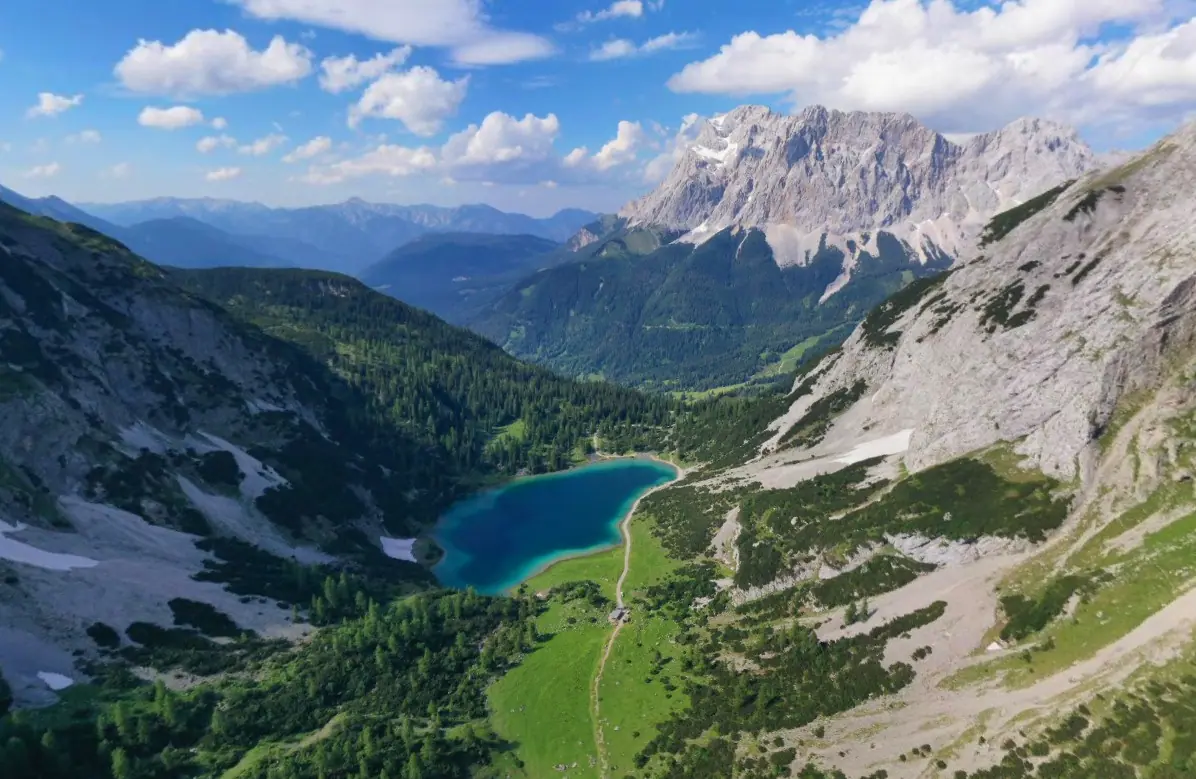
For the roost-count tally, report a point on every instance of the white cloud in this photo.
(964, 70)
(50, 104)
(43, 171)
(263, 146)
(501, 149)
(459, 25)
(173, 118)
(419, 98)
(86, 136)
(209, 62)
(623, 149)
(621, 47)
(662, 164)
(212, 142)
(385, 160)
(313, 148)
(120, 170)
(342, 73)
(222, 174)
(625, 8)
(220, 123)
(502, 139)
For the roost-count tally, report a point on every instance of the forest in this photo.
(457, 411)
(394, 690)
(682, 317)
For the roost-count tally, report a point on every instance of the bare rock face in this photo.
(1038, 337)
(841, 177)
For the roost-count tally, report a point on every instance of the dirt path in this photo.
(599, 737)
(596, 706)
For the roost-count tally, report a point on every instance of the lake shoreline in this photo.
(624, 523)
(441, 534)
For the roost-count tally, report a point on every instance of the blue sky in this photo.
(531, 105)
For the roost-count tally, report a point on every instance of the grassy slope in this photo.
(629, 702)
(548, 720)
(543, 705)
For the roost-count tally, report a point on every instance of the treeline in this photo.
(447, 406)
(398, 692)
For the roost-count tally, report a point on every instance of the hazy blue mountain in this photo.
(57, 208)
(184, 242)
(451, 273)
(349, 236)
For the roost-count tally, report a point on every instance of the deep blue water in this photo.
(495, 540)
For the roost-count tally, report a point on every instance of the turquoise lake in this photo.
(495, 540)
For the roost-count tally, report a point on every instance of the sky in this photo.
(533, 105)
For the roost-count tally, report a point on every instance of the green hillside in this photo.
(638, 310)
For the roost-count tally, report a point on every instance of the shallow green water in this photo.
(495, 540)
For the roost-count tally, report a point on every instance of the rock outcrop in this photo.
(1079, 299)
(839, 178)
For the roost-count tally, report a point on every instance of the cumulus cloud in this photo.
(50, 104)
(211, 143)
(387, 160)
(86, 136)
(220, 123)
(662, 164)
(500, 149)
(173, 118)
(209, 62)
(965, 69)
(623, 149)
(342, 73)
(633, 9)
(263, 146)
(313, 148)
(120, 170)
(43, 171)
(621, 47)
(222, 174)
(500, 142)
(459, 25)
(419, 98)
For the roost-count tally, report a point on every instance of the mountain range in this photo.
(345, 237)
(453, 274)
(958, 542)
(772, 233)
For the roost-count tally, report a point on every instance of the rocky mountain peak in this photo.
(1079, 299)
(839, 176)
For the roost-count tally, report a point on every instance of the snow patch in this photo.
(399, 548)
(142, 436)
(259, 477)
(17, 552)
(259, 406)
(721, 156)
(898, 443)
(55, 681)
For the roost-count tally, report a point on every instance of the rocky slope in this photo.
(1012, 439)
(1040, 335)
(834, 176)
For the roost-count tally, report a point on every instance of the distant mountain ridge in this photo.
(452, 273)
(349, 236)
